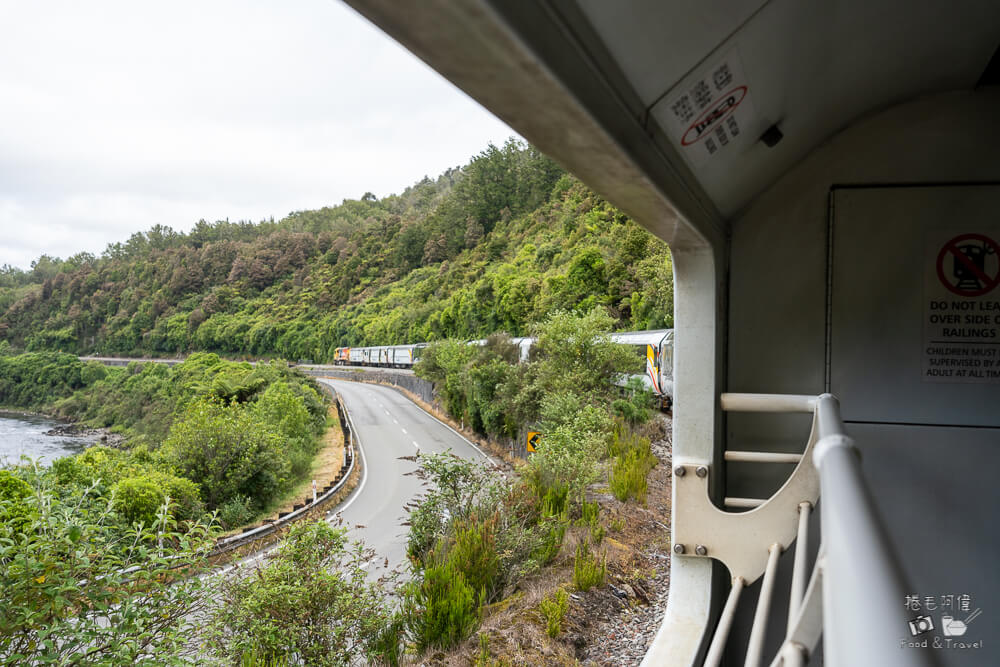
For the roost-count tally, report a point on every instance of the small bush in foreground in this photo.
(588, 571)
(311, 602)
(632, 461)
(236, 512)
(554, 610)
(441, 609)
(474, 554)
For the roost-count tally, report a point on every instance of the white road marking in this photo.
(403, 430)
(361, 485)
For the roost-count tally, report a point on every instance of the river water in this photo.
(25, 434)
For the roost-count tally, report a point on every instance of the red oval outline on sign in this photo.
(712, 109)
(948, 246)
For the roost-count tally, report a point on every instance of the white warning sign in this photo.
(962, 307)
(712, 113)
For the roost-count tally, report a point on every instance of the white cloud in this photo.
(121, 115)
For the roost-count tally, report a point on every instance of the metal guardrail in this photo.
(854, 598)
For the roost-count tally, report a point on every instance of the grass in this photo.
(633, 459)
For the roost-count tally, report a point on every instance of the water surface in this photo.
(25, 434)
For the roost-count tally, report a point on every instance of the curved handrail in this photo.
(857, 568)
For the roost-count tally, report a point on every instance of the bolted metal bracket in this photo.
(740, 540)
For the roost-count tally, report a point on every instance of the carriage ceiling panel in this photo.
(638, 33)
(811, 68)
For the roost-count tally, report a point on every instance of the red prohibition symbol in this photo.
(962, 265)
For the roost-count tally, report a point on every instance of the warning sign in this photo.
(533, 441)
(711, 112)
(969, 265)
(962, 307)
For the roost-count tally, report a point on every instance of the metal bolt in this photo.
(680, 470)
(678, 548)
(700, 550)
(701, 471)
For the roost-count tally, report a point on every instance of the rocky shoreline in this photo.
(101, 436)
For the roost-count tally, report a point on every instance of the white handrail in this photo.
(861, 569)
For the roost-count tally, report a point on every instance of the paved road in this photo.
(390, 426)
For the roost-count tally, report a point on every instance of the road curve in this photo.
(390, 426)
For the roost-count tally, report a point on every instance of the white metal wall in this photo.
(931, 449)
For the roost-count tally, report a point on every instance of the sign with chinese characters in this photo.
(711, 113)
(961, 316)
(941, 622)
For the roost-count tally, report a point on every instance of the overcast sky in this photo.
(118, 115)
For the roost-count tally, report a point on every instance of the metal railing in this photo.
(854, 598)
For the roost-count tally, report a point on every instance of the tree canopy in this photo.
(497, 244)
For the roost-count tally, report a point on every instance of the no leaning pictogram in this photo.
(969, 265)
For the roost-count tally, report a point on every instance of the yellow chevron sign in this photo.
(533, 440)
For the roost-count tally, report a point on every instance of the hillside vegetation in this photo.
(508, 243)
(492, 246)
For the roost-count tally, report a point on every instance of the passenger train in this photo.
(656, 347)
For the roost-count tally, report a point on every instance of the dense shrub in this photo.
(440, 609)
(15, 513)
(139, 499)
(98, 463)
(311, 602)
(62, 581)
(142, 498)
(287, 413)
(184, 495)
(230, 451)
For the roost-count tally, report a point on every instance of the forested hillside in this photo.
(492, 246)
